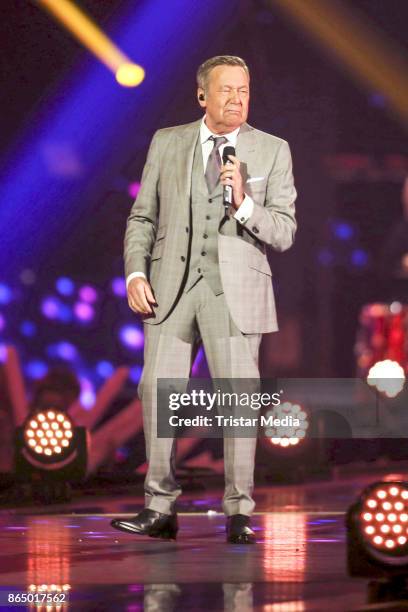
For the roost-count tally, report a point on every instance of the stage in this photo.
(298, 563)
(166, 208)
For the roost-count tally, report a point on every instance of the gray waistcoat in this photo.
(206, 217)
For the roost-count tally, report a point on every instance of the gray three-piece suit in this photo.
(212, 282)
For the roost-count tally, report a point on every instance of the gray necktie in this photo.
(212, 171)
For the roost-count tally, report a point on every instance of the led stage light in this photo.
(50, 454)
(290, 434)
(377, 531)
(388, 377)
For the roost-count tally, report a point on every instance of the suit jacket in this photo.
(158, 229)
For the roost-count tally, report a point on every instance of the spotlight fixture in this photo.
(48, 439)
(50, 449)
(287, 453)
(288, 426)
(388, 377)
(377, 531)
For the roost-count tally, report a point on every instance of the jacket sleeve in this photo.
(141, 225)
(274, 223)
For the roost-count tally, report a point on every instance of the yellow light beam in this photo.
(87, 32)
(369, 54)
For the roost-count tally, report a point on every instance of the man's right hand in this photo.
(140, 296)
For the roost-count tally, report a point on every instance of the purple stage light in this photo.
(343, 230)
(88, 294)
(6, 294)
(50, 307)
(2, 322)
(119, 287)
(104, 369)
(131, 336)
(83, 311)
(36, 369)
(66, 351)
(28, 328)
(359, 258)
(135, 374)
(87, 397)
(3, 353)
(65, 286)
(133, 189)
(64, 313)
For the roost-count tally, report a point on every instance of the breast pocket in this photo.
(255, 187)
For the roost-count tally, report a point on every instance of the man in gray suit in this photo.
(198, 274)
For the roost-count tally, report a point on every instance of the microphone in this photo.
(227, 192)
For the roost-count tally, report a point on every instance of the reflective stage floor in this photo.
(297, 565)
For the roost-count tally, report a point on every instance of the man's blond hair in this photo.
(219, 60)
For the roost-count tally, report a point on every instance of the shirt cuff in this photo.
(134, 275)
(245, 210)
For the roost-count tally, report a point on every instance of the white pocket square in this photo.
(254, 179)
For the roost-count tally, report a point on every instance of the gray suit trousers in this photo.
(170, 348)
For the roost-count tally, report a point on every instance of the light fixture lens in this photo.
(52, 429)
(385, 530)
(129, 74)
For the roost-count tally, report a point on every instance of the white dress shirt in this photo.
(245, 210)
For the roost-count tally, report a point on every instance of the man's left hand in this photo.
(231, 175)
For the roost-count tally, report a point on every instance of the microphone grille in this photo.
(227, 151)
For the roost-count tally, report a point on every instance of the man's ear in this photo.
(201, 97)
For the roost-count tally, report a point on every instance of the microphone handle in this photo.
(227, 195)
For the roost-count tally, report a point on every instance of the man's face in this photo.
(226, 98)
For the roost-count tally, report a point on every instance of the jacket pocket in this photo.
(261, 266)
(157, 250)
(161, 232)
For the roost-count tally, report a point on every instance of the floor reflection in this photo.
(285, 546)
(297, 565)
(48, 556)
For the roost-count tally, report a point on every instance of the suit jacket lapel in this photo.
(246, 147)
(184, 158)
(187, 139)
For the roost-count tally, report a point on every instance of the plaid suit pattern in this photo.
(157, 241)
(230, 325)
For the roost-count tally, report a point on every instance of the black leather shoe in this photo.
(151, 523)
(238, 530)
